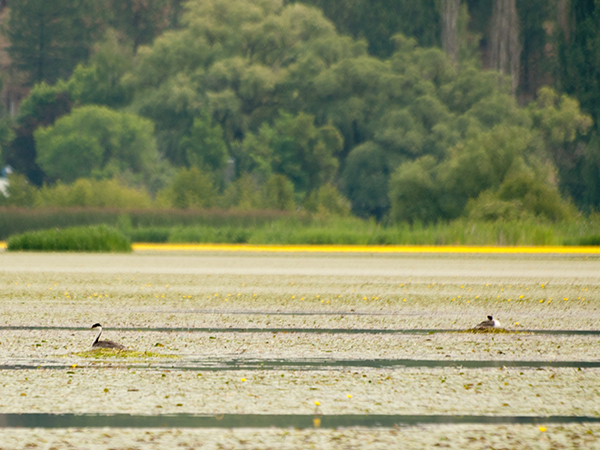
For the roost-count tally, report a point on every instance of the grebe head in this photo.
(96, 325)
(489, 317)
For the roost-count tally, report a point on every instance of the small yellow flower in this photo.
(317, 402)
(542, 428)
(349, 395)
(243, 379)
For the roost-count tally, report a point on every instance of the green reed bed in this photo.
(18, 220)
(273, 227)
(353, 231)
(76, 239)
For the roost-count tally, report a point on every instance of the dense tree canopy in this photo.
(270, 96)
(49, 38)
(97, 141)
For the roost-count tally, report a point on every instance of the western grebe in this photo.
(490, 323)
(104, 344)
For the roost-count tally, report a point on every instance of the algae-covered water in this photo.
(327, 339)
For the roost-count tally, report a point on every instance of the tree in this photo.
(278, 193)
(205, 147)
(579, 56)
(304, 153)
(414, 192)
(100, 81)
(561, 124)
(523, 193)
(42, 107)
(505, 47)
(97, 141)
(450, 10)
(49, 38)
(191, 188)
(377, 21)
(366, 180)
(240, 60)
(327, 200)
(143, 20)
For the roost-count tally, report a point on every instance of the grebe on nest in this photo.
(490, 323)
(104, 344)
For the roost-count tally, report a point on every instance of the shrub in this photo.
(327, 200)
(93, 193)
(19, 192)
(278, 193)
(77, 239)
(191, 188)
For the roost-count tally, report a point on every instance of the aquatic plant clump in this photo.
(76, 239)
(101, 353)
(490, 330)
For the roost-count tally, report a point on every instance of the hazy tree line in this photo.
(413, 111)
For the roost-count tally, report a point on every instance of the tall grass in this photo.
(77, 239)
(18, 220)
(274, 227)
(354, 231)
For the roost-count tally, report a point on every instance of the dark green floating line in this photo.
(266, 420)
(418, 331)
(219, 364)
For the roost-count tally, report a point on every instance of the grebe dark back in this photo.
(104, 344)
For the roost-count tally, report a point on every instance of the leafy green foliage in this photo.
(99, 81)
(366, 180)
(77, 239)
(378, 20)
(97, 141)
(49, 38)
(19, 192)
(205, 147)
(295, 148)
(278, 193)
(42, 107)
(191, 188)
(327, 200)
(415, 192)
(243, 194)
(106, 193)
(142, 20)
(579, 68)
(265, 100)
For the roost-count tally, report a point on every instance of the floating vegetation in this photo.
(100, 353)
(490, 330)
